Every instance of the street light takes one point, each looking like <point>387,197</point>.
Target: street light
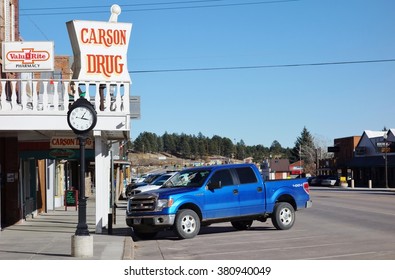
<point>385,136</point>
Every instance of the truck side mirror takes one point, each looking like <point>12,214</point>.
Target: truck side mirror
<point>214,185</point>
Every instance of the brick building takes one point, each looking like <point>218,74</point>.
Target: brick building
<point>368,160</point>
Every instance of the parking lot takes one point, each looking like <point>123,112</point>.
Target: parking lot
<point>342,224</point>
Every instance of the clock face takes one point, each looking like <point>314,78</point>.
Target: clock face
<point>81,118</point>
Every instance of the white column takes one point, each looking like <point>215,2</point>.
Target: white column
<point>51,185</point>
<point>102,181</point>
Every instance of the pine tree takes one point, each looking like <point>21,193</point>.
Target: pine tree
<point>304,149</point>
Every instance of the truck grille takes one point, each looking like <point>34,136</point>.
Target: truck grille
<point>142,203</point>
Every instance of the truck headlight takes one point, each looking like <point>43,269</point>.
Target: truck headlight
<point>163,203</point>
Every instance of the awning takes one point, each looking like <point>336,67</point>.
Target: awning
<point>376,161</point>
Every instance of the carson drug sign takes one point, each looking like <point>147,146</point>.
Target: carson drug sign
<point>100,50</point>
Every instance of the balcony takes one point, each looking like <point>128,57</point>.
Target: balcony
<point>39,107</point>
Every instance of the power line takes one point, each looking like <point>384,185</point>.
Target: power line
<point>123,5</point>
<point>158,9</point>
<point>38,28</point>
<point>262,66</point>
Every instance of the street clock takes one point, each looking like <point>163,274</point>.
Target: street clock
<point>82,116</point>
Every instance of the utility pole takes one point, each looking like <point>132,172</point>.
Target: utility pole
<point>385,136</point>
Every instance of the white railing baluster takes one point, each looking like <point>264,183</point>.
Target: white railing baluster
<point>56,97</point>
<point>4,103</point>
<point>35,96</point>
<point>66,96</point>
<point>23,95</point>
<point>14,96</point>
<point>97,97</point>
<point>107,104</point>
<point>118,98</point>
<point>45,96</point>
<point>76,93</point>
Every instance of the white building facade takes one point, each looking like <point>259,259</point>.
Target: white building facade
<point>39,155</point>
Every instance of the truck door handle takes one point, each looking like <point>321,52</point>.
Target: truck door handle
<point>235,191</point>
<point>259,189</point>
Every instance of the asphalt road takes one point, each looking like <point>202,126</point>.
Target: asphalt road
<point>342,224</point>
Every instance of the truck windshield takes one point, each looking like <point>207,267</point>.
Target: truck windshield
<point>191,178</point>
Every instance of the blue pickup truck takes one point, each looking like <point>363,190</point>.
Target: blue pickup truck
<point>201,196</point>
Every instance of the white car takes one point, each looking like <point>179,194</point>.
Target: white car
<point>156,185</point>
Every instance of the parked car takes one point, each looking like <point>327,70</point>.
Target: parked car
<point>148,179</point>
<point>310,180</point>
<point>158,183</point>
<point>317,181</point>
<point>330,181</point>
<point>141,178</point>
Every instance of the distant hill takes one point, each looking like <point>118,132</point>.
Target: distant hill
<point>146,162</point>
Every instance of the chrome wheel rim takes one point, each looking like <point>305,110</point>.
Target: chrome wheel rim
<point>188,224</point>
<point>286,216</point>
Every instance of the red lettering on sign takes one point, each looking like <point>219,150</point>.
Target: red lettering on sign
<point>106,37</point>
<point>28,56</point>
<point>104,64</point>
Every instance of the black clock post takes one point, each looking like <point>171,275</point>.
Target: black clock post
<point>82,118</point>
<point>82,226</point>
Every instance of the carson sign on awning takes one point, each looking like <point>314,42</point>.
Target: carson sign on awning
<point>59,142</point>
<point>100,50</point>
<point>28,56</point>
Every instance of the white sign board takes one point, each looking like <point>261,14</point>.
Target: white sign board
<point>100,50</point>
<point>28,56</point>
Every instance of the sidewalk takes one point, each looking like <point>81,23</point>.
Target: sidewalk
<point>48,237</point>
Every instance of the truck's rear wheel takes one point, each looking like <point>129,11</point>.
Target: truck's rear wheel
<point>242,225</point>
<point>187,224</point>
<point>283,216</point>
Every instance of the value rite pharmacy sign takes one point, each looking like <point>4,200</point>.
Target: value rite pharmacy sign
<point>100,50</point>
<point>28,56</point>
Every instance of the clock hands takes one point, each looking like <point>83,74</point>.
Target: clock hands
<point>82,117</point>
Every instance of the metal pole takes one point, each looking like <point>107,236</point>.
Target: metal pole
<point>386,165</point>
<point>82,227</point>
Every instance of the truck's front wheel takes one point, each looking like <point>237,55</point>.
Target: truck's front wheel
<point>283,216</point>
<point>187,224</point>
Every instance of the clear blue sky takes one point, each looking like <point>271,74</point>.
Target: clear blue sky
<point>284,39</point>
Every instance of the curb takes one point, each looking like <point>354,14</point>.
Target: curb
<point>128,249</point>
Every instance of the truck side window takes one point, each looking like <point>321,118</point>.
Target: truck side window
<point>246,175</point>
<point>224,176</point>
